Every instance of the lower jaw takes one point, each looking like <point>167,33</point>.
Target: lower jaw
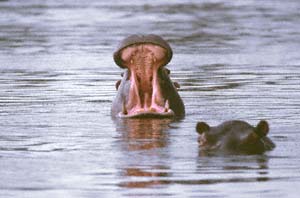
<point>148,114</point>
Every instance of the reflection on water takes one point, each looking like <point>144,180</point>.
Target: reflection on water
<point>151,178</point>
<point>233,60</point>
<point>142,134</point>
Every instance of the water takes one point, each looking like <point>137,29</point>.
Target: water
<point>233,60</point>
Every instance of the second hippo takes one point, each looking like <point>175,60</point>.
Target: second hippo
<point>146,89</point>
<point>235,137</point>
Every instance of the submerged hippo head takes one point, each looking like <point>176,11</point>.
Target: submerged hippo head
<point>235,137</point>
<point>146,89</point>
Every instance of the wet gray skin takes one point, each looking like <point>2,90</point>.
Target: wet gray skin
<point>235,137</point>
<point>146,89</point>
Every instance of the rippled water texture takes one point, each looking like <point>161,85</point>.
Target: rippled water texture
<point>233,60</point>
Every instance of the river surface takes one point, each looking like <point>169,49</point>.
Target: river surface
<point>233,60</point>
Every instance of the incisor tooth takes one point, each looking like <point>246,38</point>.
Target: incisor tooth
<point>131,61</point>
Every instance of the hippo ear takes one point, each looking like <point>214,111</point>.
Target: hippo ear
<point>202,127</point>
<point>262,128</point>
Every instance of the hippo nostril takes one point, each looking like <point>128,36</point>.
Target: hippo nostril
<point>151,78</point>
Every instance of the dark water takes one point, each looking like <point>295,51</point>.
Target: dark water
<point>233,60</point>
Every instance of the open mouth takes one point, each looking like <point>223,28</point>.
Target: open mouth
<point>145,99</point>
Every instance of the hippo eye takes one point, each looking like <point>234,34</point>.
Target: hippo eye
<point>167,71</point>
<point>177,85</point>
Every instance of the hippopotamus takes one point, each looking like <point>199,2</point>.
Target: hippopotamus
<point>235,137</point>
<point>146,89</point>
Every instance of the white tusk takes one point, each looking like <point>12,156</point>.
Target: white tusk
<point>167,106</point>
<point>124,110</point>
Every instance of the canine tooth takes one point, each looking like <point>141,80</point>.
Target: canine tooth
<point>131,61</point>
<point>167,105</point>
<point>124,110</point>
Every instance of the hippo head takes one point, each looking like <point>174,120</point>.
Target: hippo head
<point>146,89</point>
<point>235,137</point>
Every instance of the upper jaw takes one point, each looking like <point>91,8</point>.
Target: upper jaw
<point>142,39</point>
